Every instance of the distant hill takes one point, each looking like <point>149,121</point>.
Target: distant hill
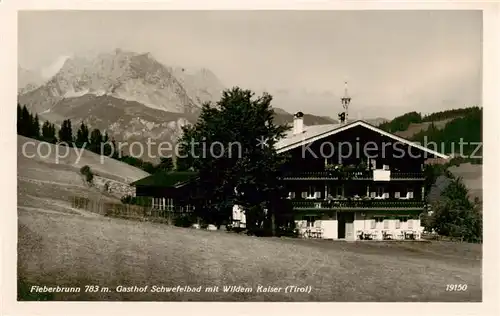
<point>446,128</point>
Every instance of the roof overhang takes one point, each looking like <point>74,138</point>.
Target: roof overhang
<point>335,130</point>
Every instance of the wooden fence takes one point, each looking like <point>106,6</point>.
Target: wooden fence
<point>127,211</point>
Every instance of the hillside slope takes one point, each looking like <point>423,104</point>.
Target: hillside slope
<point>110,252</point>
<point>43,182</point>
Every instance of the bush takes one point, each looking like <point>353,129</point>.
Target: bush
<point>184,221</point>
<point>136,200</point>
<point>87,172</point>
<point>455,215</point>
<point>287,232</point>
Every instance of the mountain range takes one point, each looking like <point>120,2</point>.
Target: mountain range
<point>130,95</point>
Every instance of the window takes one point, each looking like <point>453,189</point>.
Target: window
<point>169,206</point>
<point>386,224</point>
<point>338,191</point>
<point>158,203</point>
<point>311,191</point>
<point>410,224</point>
<point>373,224</point>
<point>398,224</point>
<point>291,195</point>
<point>380,191</point>
<point>310,220</point>
<point>304,195</point>
<point>397,195</point>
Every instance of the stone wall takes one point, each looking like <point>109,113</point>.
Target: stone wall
<point>115,188</point>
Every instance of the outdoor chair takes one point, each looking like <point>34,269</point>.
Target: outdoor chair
<point>303,230</point>
<point>318,230</point>
<point>387,235</point>
<point>399,234</point>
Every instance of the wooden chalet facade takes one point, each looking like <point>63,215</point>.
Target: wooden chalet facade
<point>354,181</point>
<point>345,181</point>
<point>172,191</point>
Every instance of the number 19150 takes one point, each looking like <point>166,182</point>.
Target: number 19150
<point>456,287</point>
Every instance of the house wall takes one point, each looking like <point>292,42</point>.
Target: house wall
<point>363,221</point>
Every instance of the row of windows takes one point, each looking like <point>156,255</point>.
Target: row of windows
<point>164,204</point>
<point>373,222</point>
<point>398,221</point>
<point>318,194</point>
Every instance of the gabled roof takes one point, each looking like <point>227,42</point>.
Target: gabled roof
<point>316,132</point>
<point>172,179</point>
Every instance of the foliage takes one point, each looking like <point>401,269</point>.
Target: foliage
<point>82,136</point>
<point>95,141</point>
<point>184,220</point>
<point>442,115</point>
<point>27,124</point>
<point>238,122</point>
<point>49,133</point>
<point>87,172</point>
<point>466,129</point>
<point>454,215</point>
<point>401,123</point>
<point>136,200</point>
<point>166,164</point>
<point>66,132</point>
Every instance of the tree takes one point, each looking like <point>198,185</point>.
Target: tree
<point>82,136</point>
<point>166,164</point>
<point>49,132</point>
<point>24,123</point>
<point>19,119</point>
<point>35,127</point>
<point>66,132</point>
<point>455,215</point>
<point>232,148</point>
<point>96,139</point>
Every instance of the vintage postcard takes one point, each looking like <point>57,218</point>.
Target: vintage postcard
<point>250,156</point>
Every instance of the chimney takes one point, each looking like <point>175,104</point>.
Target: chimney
<point>298,123</point>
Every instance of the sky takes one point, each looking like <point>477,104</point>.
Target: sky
<point>393,61</point>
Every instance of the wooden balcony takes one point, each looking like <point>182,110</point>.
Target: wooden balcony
<point>362,204</point>
<point>356,175</point>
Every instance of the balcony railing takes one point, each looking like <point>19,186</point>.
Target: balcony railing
<point>355,175</point>
<point>327,175</point>
<point>357,204</point>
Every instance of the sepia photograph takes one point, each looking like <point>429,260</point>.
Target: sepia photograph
<point>250,156</point>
